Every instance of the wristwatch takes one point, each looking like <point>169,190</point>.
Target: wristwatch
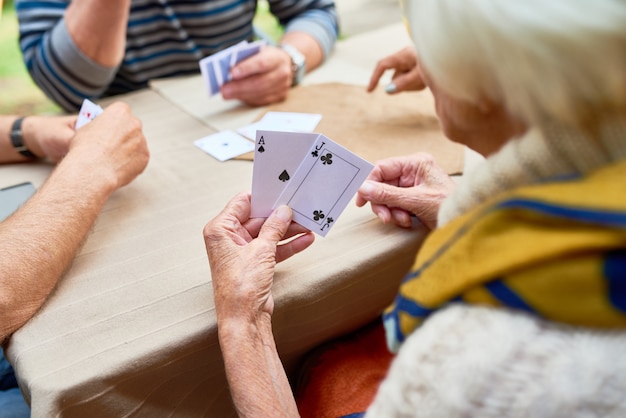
<point>18,141</point>
<point>298,63</point>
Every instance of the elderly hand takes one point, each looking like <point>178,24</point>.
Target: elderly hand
<point>406,76</point>
<point>262,79</point>
<point>399,187</point>
<point>112,146</point>
<point>243,254</point>
<point>49,136</point>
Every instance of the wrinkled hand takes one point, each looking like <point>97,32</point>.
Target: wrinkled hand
<point>262,79</point>
<point>49,136</point>
<point>401,186</point>
<point>243,254</point>
<point>112,145</point>
<point>406,76</point>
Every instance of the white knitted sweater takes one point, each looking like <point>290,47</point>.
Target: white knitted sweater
<point>470,361</point>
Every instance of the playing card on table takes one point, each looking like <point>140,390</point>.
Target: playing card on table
<point>282,121</point>
<point>277,156</point>
<point>88,111</point>
<point>323,185</point>
<point>224,145</point>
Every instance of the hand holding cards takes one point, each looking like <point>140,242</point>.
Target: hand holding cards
<point>309,172</point>
<point>215,68</point>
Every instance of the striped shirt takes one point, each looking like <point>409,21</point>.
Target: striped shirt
<point>164,39</point>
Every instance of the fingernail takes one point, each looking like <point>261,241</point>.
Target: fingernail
<point>283,213</point>
<point>391,88</point>
<point>367,188</point>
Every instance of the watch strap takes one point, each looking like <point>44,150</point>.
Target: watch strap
<point>18,140</point>
<point>298,63</point>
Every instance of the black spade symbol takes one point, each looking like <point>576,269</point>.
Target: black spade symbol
<point>284,176</point>
<point>261,149</point>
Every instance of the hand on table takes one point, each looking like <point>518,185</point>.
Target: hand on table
<point>112,145</point>
<point>406,76</point>
<point>243,254</point>
<point>399,187</point>
<point>262,79</point>
<point>48,136</point>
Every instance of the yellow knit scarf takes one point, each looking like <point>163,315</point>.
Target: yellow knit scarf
<point>556,249</point>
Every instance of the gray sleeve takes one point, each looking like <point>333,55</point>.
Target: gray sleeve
<point>56,64</point>
<point>318,18</point>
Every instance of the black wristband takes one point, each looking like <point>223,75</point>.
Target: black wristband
<point>18,141</point>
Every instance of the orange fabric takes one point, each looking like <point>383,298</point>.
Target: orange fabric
<point>343,376</point>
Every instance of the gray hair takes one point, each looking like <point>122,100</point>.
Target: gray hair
<point>559,60</point>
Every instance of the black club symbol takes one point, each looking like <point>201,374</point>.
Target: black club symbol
<point>315,153</point>
<point>328,159</point>
<point>317,215</point>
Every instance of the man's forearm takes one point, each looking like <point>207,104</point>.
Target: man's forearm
<point>39,241</point>
<point>257,379</point>
<point>98,27</point>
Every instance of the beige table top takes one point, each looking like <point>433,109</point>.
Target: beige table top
<point>131,330</point>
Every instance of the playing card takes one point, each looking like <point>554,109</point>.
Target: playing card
<point>88,111</point>
<point>208,75</point>
<point>224,145</point>
<point>277,156</point>
<point>246,50</point>
<point>282,121</point>
<point>323,185</point>
<point>221,64</point>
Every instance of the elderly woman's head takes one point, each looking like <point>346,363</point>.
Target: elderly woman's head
<point>497,67</point>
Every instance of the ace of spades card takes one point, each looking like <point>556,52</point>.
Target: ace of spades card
<point>325,180</point>
<point>277,156</point>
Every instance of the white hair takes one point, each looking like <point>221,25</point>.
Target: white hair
<point>559,60</point>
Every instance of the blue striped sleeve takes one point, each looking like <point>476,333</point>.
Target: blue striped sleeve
<point>54,61</point>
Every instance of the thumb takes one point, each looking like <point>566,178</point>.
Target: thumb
<point>275,227</point>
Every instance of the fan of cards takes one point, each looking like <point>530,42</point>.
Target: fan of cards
<point>308,172</point>
<point>215,68</point>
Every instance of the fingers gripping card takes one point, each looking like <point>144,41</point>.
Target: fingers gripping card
<point>323,185</point>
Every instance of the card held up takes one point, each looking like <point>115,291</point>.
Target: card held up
<point>323,185</point>
<point>88,112</point>
<point>277,156</point>
<point>215,69</point>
